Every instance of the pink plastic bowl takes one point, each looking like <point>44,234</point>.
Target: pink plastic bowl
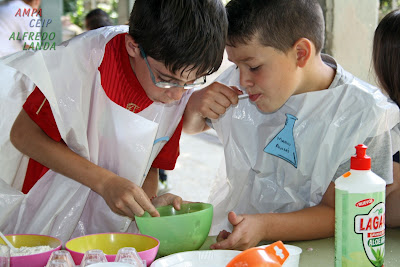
<point>110,243</point>
<point>28,240</point>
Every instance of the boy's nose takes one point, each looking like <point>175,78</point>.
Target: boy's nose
<point>245,80</point>
<point>176,93</point>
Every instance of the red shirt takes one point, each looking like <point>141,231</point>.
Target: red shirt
<point>122,87</point>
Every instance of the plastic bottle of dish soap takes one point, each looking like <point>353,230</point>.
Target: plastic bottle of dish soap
<point>359,214</point>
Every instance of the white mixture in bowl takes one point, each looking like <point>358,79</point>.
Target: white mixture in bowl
<point>24,251</point>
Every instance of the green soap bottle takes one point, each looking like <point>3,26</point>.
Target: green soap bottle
<point>359,214</point>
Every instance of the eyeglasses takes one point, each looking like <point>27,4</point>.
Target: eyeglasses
<point>163,84</point>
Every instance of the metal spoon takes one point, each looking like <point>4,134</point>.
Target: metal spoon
<point>14,249</point>
<point>243,96</point>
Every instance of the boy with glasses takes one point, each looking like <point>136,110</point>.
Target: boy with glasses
<point>107,113</point>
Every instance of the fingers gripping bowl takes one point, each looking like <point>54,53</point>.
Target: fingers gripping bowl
<point>178,231</point>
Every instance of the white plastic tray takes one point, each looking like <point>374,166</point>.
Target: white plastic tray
<point>198,258</point>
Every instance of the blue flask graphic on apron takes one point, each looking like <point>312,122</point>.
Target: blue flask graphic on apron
<point>283,145</point>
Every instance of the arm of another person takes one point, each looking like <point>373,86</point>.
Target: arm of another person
<point>392,212</point>
<point>150,184</point>
<point>209,102</point>
<point>121,195</point>
<point>310,223</point>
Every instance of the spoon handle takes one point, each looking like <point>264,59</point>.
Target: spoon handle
<point>243,96</point>
<point>7,242</point>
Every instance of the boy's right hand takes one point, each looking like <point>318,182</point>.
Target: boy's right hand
<point>121,195</point>
<point>209,102</point>
<point>126,198</point>
<point>213,100</point>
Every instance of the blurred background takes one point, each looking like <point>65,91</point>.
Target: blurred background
<point>350,25</point>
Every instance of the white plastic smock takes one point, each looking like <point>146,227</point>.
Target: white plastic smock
<point>94,127</point>
<point>11,103</point>
<point>284,161</point>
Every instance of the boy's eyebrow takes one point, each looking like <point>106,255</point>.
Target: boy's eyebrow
<point>166,75</point>
<point>243,59</point>
<point>169,76</point>
<point>172,77</point>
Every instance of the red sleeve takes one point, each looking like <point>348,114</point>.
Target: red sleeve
<point>168,155</point>
<point>38,109</point>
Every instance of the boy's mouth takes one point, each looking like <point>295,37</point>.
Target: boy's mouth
<point>254,97</point>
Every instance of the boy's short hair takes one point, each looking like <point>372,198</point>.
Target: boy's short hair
<point>181,33</point>
<point>276,23</point>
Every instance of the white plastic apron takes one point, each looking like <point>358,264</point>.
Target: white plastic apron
<point>284,161</point>
<point>94,127</point>
<point>11,103</point>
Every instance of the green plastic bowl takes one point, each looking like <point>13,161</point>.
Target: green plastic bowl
<point>178,230</point>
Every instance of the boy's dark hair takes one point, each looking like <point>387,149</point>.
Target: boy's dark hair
<point>386,54</point>
<point>97,18</point>
<point>276,23</point>
<point>187,34</point>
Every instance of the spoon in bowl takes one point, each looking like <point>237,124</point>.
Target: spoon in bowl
<point>14,249</point>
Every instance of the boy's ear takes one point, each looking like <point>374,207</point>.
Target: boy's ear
<point>131,46</point>
<point>304,50</point>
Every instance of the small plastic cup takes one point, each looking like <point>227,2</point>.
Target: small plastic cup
<point>4,256</point>
<point>57,263</point>
<point>129,255</point>
<point>90,262</point>
<point>93,256</point>
<point>129,261</point>
<point>112,264</point>
<point>133,262</point>
<point>294,256</point>
<point>62,255</point>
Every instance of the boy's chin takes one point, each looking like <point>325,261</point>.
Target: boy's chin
<point>158,100</point>
<point>266,108</point>
<point>164,101</point>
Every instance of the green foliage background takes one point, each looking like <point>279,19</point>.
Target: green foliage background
<point>75,9</point>
<point>385,6</point>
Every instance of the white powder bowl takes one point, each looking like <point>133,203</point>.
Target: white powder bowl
<point>37,244</point>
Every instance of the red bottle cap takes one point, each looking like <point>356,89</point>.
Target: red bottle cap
<point>360,161</point>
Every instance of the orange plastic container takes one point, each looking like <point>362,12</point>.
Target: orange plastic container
<point>273,255</point>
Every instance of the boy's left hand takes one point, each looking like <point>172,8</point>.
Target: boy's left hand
<point>246,232</point>
<point>168,199</point>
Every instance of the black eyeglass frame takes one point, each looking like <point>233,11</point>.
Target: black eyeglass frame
<point>167,84</point>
